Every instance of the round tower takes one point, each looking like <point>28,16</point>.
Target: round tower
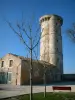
<point>51,40</point>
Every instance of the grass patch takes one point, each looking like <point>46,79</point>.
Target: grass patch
<point>49,96</point>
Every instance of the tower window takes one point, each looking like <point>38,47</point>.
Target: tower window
<point>45,18</point>
<point>2,65</point>
<point>11,63</point>
<point>48,18</point>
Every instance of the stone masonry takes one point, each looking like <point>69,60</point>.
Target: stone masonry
<point>15,69</point>
<point>19,72</point>
<point>51,40</point>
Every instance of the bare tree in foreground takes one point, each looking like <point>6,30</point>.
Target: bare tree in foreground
<point>45,69</point>
<point>30,41</point>
<point>71,32</point>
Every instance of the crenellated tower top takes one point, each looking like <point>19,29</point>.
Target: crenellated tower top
<point>48,17</point>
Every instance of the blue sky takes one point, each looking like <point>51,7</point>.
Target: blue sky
<point>12,11</point>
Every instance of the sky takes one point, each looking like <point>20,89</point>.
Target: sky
<point>12,10</point>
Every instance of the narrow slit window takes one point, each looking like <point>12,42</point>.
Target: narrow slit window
<point>2,65</point>
<point>11,63</point>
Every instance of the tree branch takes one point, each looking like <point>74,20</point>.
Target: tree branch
<point>36,35</point>
<point>23,29</point>
<point>19,34</point>
<point>26,33</point>
<point>36,44</point>
<point>71,32</point>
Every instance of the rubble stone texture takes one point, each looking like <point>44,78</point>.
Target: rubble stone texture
<point>51,40</point>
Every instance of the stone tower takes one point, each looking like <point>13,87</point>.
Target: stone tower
<point>51,40</point>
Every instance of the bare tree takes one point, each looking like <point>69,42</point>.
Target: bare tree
<point>45,69</point>
<point>25,32</point>
<point>71,32</point>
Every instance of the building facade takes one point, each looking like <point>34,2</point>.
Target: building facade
<point>15,70</point>
<point>51,40</point>
<point>10,69</point>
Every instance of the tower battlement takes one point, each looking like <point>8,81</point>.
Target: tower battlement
<point>47,17</point>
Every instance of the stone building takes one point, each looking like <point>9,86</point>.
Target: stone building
<point>51,41</point>
<point>15,70</point>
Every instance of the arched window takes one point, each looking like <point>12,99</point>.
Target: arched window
<point>2,65</point>
<point>11,63</point>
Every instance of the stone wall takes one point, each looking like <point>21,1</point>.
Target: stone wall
<point>20,71</point>
<point>15,69</point>
<point>37,73</point>
<point>51,41</point>
<point>39,67</point>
